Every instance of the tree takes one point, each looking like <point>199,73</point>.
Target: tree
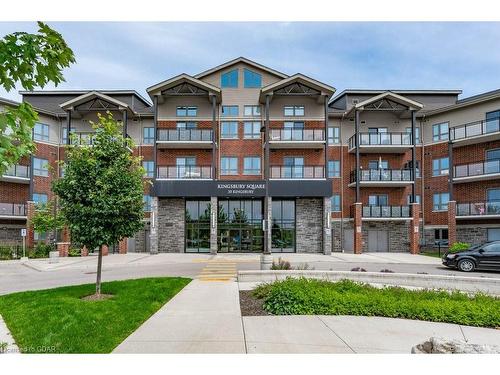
<point>31,60</point>
<point>47,218</point>
<point>101,192</point>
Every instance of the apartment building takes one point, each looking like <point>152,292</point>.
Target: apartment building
<point>244,158</point>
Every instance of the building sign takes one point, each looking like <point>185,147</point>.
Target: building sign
<point>251,189</point>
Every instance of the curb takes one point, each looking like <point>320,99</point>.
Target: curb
<point>461,283</point>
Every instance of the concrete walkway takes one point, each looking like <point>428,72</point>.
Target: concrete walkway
<point>205,317</point>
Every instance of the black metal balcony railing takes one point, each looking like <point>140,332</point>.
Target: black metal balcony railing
<point>22,171</point>
<point>185,172</point>
<point>389,175</point>
<point>386,211</point>
<point>12,209</point>
<point>474,129</point>
<point>297,172</point>
<point>382,139</point>
<point>181,135</point>
<point>478,208</point>
<point>477,169</point>
<point>297,135</point>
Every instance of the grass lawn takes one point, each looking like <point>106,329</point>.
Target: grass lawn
<point>433,253</point>
<point>58,321</point>
<point>317,297</point>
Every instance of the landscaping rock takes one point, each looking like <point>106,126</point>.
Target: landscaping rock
<point>438,345</point>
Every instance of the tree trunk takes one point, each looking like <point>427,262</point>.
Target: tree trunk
<point>99,267</point>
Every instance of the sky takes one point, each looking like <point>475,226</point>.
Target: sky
<point>118,55</point>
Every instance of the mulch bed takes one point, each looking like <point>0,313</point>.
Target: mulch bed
<point>251,306</point>
<point>97,297</point>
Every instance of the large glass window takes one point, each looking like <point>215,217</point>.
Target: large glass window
<point>148,135</point>
<point>40,167</point>
<point>283,226</point>
<point>229,130</point>
<point>197,226</point>
<point>378,200</point>
<point>378,164</point>
<point>229,79</point>
<point>492,121</point>
<point>230,111</point>
<point>40,198</point>
<point>184,111</point>
<point>228,165</point>
<point>186,125</point>
<point>41,132</point>
<point>251,165</point>
<point>333,135</point>
<point>335,203</point>
<point>440,201</point>
<point>293,167</point>
<point>417,133</point>
<point>293,110</point>
<point>252,79</point>
<point>239,227</point>
<point>252,110</point>
<point>440,167</point>
<point>440,132</point>
<point>147,202</point>
<point>149,167</point>
<point>417,198</point>
<point>333,168</point>
<point>251,129</point>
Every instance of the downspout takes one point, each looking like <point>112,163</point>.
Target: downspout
<point>341,185</point>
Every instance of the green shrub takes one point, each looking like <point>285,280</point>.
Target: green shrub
<point>318,297</point>
<point>458,246</point>
<point>41,250</point>
<point>74,252</point>
<point>6,252</point>
<point>281,265</point>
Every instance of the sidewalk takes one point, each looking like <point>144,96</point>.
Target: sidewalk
<point>205,317</point>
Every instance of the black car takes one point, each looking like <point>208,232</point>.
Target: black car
<point>485,256</point>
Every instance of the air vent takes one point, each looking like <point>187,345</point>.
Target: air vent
<point>355,101</point>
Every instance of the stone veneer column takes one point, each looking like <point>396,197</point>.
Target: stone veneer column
<point>358,228</point>
<point>327,226</point>
<point>452,222</point>
<point>414,228</point>
<point>153,231</point>
<point>122,246</point>
<point>309,225</point>
<point>30,232</point>
<point>213,224</point>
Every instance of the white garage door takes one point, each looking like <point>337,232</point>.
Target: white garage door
<point>494,234</point>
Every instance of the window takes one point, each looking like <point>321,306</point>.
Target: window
<point>492,248</point>
<point>148,135</point>
<point>252,79</point>
<point>293,167</point>
<point>147,203</point>
<point>283,226</point>
<point>492,121</point>
<point>149,167</point>
<point>41,132</point>
<point>417,133</point>
<point>440,132</point>
<point>251,165</point>
<point>230,110</point>
<point>441,236</point>
<point>229,165</point>
<point>229,130</point>
<point>333,135</point>
<point>417,199</point>
<point>252,130</point>
<point>377,130</point>
<point>64,135</point>
<point>40,167</point>
<point>440,201</point>
<point>229,79</point>
<point>440,167</point>
<point>293,110</point>
<point>378,200</point>
<point>296,125</point>
<point>335,202</point>
<point>187,125</point>
<point>378,164</point>
<point>187,111</point>
<point>333,168</point>
<point>197,226</point>
<point>252,110</point>
<point>40,198</point>
<point>40,236</point>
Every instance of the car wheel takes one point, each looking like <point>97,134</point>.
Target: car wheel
<point>466,265</point>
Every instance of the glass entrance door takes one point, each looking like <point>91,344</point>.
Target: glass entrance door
<point>283,226</point>
<point>185,166</point>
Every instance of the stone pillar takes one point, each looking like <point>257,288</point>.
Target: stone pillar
<point>65,236</point>
<point>358,227</point>
<point>327,226</point>
<point>85,251</point>
<point>213,224</point>
<point>414,228</point>
<point>452,222</point>
<point>153,232</point>
<point>105,250</point>
<point>63,248</point>
<point>30,231</point>
<point>122,246</point>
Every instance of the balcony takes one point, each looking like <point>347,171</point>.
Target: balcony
<point>184,138</point>
<point>381,142</point>
<point>475,132</point>
<point>300,172</point>
<point>296,138</point>
<point>18,174</point>
<point>478,210</point>
<point>386,213</point>
<point>15,211</point>
<point>382,178</point>
<point>188,172</point>
<point>485,170</point>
